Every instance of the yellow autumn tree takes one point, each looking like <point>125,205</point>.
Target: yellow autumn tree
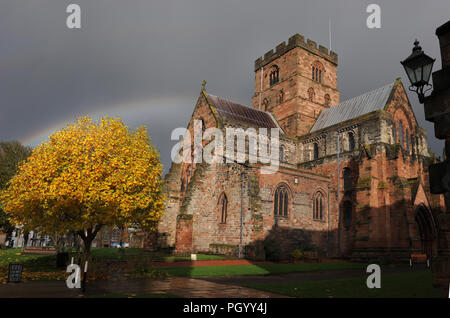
<point>86,176</point>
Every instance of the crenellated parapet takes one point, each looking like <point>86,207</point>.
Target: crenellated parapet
<point>296,41</point>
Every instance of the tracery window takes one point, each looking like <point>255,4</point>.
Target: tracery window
<point>281,201</point>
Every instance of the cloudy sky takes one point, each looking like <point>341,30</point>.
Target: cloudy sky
<point>145,60</point>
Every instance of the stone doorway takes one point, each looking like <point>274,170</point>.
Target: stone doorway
<point>426,231</point>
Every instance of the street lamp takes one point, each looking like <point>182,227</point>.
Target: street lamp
<point>418,67</point>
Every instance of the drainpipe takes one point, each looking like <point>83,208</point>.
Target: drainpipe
<point>242,214</point>
<point>338,197</point>
<point>328,218</point>
<point>261,88</point>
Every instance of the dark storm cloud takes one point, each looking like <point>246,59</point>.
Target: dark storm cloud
<point>139,51</point>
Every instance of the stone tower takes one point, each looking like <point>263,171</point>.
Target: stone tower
<point>295,83</point>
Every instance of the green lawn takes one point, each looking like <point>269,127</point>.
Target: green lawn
<point>263,269</point>
<point>403,285</point>
<point>133,253</point>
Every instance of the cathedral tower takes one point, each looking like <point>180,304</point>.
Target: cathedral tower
<point>295,83</point>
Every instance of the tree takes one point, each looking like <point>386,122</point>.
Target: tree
<point>86,176</point>
<point>12,153</point>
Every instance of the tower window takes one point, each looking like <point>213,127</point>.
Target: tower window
<point>280,97</point>
<point>223,207</point>
<point>274,75</point>
<point>311,94</point>
<point>281,201</point>
<point>266,104</point>
<point>317,70</point>
<point>327,100</point>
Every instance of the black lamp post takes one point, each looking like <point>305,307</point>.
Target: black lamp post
<point>418,67</point>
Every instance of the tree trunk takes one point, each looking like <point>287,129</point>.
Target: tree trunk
<point>88,236</point>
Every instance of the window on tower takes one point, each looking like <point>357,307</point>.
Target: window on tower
<point>311,94</point>
<point>281,97</point>
<point>317,70</point>
<point>327,100</point>
<point>274,75</point>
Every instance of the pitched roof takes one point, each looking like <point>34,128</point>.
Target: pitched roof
<point>249,115</point>
<point>355,107</point>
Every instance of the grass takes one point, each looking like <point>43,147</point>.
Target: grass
<point>133,253</point>
<point>263,269</point>
<point>402,285</point>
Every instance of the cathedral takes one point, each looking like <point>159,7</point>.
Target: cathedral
<point>352,179</point>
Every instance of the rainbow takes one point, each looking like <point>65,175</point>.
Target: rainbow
<point>133,114</point>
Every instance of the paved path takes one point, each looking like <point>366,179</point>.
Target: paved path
<point>204,287</point>
<point>180,286</point>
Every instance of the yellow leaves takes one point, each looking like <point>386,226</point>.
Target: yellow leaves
<point>88,166</point>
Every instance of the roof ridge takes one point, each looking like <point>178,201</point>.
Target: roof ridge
<point>250,107</point>
<point>367,92</point>
<point>354,107</point>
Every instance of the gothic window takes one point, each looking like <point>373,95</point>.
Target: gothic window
<point>348,207</point>
<point>327,100</point>
<point>318,206</point>
<point>317,70</point>
<point>280,97</point>
<point>316,151</point>
<point>282,154</point>
<point>394,133</point>
<point>266,104</point>
<point>311,94</point>
<point>281,201</point>
<point>223,207</point>
<point>274,75</point>
<point>400,132</point>
<point>351,141</point>
<point>347,179</point>
<point>407,140</point>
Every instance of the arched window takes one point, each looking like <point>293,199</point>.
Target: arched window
<point>348,207</point>
<point>282,154</point>
<point>223,208</point>
<point>316,151</point>
<point>351,141</point>
<point>311,94</point>
<point>394,133</point>
<point>274,75</point>
<point>327,100</point>
<point>407,139</point>
<point>317,70</point>
<point>400,132</point>
<point>281,201</point>
<point>347,179</point>
<point>318,206</point>
<point>280,97</point>
<point>266,104</point>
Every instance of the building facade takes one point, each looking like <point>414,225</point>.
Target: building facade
<point>352,179</point>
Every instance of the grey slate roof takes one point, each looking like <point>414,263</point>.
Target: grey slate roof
<point>355,107</point>
<point>249,115</point>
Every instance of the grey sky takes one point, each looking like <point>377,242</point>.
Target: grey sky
<point>145,60</point>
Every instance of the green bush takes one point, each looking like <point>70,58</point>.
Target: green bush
<point>272,250</point>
